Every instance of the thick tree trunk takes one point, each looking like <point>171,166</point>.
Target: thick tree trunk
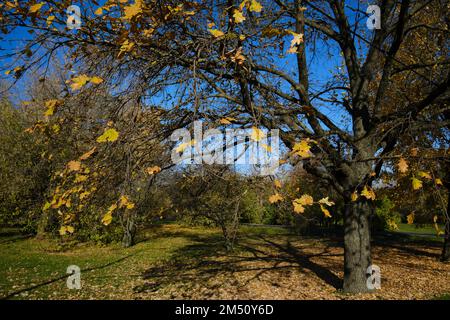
<point>356,246</point>
<point>445,256</point>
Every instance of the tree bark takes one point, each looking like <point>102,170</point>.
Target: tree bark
<point>129,233</point>
<point>356,246</point>
<point>445,256</point>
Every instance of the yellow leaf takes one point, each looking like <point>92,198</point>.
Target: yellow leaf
<point>275,198</point>
<point>402,165</point>
<point>325,211</point>
<point>392,225</point>
<point>354,196</point>
<point>126,46</point>
<point>326,201</point>
<point>238,16</point>
<point>216,33</point>
<point>96,80</point>
<point>99,11</point>
<point>125,202</point>
<point>410,218</point>
<point>295,42</point>
<point>133,11</point>
<point>183,146</point>
<point>46,206</point>
<point>368,193</point>
<point>298,208</point>
<point>416,183</point>
<point>51,107</point>
<point>107,218</point>
<point>79,81</point>
<point>257,134</point>
<point>74,165</point>
<point>50,20</point>
<point>255,6</point>
<point>266,147</point>
<point>277,183</point>
<point>438,182</point>
<point>36,7</point>
<point>80,178</point>
<point>88,154</point>
<point>153,170</point>
<point>425,175</point>
<point>302,148</point>
<point>62,230</point>
<point>110,135</point>
<point>305,200</point>
<point>226,120</point>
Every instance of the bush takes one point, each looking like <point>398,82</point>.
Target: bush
<point>385,217</point>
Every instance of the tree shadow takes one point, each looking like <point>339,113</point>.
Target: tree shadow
<point>205,260</point>
<point>62,277</point>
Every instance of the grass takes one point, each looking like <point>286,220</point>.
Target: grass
<point>422,229</point>
<point>175,262</point>
<point>27,263</point>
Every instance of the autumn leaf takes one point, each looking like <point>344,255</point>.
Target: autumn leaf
<point>402,165</point>
<point>354,196</point>
<point>410,218</point>
<point>88,154</point>
<point>368,193</point>
<point>326,201</point>
<point>107,218</point>
<point>295,42</point>
<point>184,145</point>
<point>66,229</point>
<point>49,20</point>
<point>325,211</point>
<point>80,178</point>
<point>96,80</point>
<point>99,11</point>
<point>302,148</point>
<point>153,170</point>
<point>438,182</point>
<point>255,6</point>
<point>36,7</point>
<point>216,33</point>
<point>133,11</point>
<point>226,120</point>
<point>51,107</point>
<point>238,16</point>
<point>298,208</point>
<point>424,174</point>
<point>305,200</point>
<point>125,202</point>
<point>416,183</point>
<point>79,81</point>
<point>126,46</point>
<point>110,135</point>
<point>277,184</point>
<point>275,198</point>
<point>74,165</point>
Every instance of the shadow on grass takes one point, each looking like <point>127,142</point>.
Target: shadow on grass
<point>50,281</point>
<point>206,259</point>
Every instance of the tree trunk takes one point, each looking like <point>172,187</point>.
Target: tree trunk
<point>445,256</point>
<point>42,225</point>
<point>356,246</point>
<point>129,233</point>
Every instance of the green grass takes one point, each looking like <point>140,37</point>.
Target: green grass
<point>109,271</point>
<point>411,228</point>
<point>443,297</point>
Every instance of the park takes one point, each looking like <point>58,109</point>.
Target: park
<point>224,150</point>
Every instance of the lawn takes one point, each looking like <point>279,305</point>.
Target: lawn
<point>177,262</point>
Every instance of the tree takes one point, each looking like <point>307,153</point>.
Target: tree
<point>229,59</point>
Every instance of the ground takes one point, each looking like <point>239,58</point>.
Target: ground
<point>176,262</point>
